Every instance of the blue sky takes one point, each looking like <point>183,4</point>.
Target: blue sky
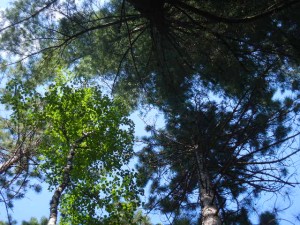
<point>37,205</point>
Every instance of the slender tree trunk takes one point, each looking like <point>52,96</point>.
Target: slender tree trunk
<point>209,210</point>
<point>60,189</point>
<point>65,182</point>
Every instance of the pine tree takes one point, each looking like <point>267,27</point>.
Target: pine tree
<point>214,153</point>
<point>171,54</point>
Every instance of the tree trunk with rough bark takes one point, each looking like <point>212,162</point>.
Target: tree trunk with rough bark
<point>209,210</point>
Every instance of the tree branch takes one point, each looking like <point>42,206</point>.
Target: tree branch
<point>210,16</point>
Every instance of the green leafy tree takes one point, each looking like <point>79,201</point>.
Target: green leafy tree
<point>139,219</point>
<point>34,221</point>
<point>5,223</point>
<point>85,143</point>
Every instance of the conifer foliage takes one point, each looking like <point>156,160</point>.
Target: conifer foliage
<point>224,73</point>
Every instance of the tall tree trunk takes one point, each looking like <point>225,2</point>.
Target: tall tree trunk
<point>60,189</point>
<point>66,179</point>
<point>209,210</point>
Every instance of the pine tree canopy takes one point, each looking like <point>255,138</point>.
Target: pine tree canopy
<point>225,75</point>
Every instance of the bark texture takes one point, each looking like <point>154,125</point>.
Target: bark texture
<point>209,210</point>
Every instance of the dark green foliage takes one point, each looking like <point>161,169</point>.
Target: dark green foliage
<point>34,221</point>
<point>268,218</point>
<point>237,139</point>
<point>240,217</point>
<point>213,68</point>
<point>160,52</point>
<point>182,221</point>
